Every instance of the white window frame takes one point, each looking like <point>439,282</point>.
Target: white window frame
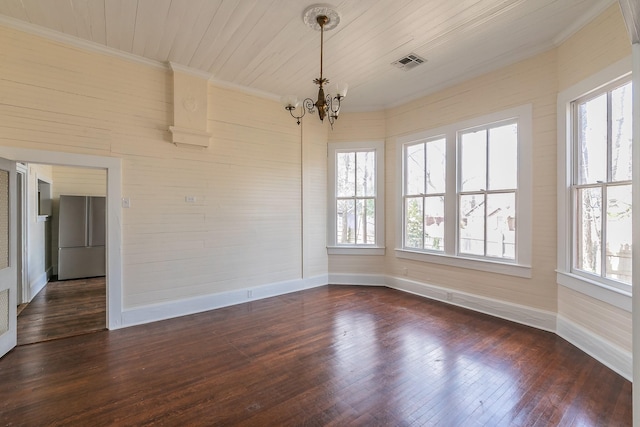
<point>617,294</point>
<point>521,265</point>
<point>333,248</point>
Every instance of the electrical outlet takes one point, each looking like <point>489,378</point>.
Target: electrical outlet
<point>249,294</point>
<point>449,296</point>
<point>126,203</point>
<point>190,199</point>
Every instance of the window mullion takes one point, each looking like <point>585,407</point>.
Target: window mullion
<point>603,232</point>
<point>486,188</point>
<point>424,193</point>
<point>603,191</point>
<point>609,138</point>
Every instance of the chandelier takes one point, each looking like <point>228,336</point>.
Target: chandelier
<point>319,17</point>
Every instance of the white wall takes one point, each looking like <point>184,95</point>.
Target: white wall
<point>38,231</point>
<point>245,229</point>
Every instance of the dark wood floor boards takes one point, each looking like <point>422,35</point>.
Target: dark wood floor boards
<point>333,355</point>
<point>64,309</point>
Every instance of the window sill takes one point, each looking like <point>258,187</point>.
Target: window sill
<point>491,266</point>
<point>355,250</point>
<point>600,291</point>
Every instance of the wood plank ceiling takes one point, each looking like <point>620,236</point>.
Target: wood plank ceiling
<point>264,45</point>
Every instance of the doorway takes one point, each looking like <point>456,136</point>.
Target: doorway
<point>113,301</point>
<point>66,214</point>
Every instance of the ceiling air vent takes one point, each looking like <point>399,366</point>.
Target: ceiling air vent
<point>408,62</point>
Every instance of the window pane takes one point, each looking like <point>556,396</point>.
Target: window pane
<point>621,133</point>
<point>435,170</point>
<point>473,171</point>
<point>592,140</point>
<point>415,169</point>
<point>503,157</point>
<point>366,222</point>
<point>366,173</point>
<point>413,228</point>
<point>619,242</point>
<point>472,224</point>
<point>501,225</point>
<point>589,230</point>
<point>434,223</point>
<point>345,174</point>
<point>346,222</point>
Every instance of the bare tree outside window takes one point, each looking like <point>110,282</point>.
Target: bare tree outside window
<point>424,189</point>
<point>602,184</point>
<point>355,201</point>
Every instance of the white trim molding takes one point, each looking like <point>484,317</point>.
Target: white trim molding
<point>357,279</point>
<point>614,296</point>
<point>565,277</point>
<point>333,148</point>
<point>509,269</point>
<point>171,309</point>
<point>601,349</point>
<point>521,265</point>
<point>529,316</point>
<point>114,212</point>
<point>38,284</point>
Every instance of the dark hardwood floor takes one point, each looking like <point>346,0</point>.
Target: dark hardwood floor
<point>64,309</point>
<point>335,355</point>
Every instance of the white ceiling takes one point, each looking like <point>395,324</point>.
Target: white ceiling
<point>265,46</point>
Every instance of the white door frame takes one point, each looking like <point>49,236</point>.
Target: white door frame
<point>8,275</point>
<point>114,213</point>
<point>23,236</point>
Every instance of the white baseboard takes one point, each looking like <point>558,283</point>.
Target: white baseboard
<point>540,319</point>
<point>358,279</point>
<point>604,351</point>
<point>171,309</point>
<point>38,284</point>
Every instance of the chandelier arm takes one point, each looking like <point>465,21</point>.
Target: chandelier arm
<point>333,101</point>
<point>291,108</point>
<point>309,104</point>
<point>332,119</point>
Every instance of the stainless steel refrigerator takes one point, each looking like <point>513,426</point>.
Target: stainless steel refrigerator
<point>81,237</point>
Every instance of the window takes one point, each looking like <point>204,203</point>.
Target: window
<point>601,184</point>
<point>487,191</point>
<point>463,187</point>
<point>356,203</point>
<point>424,195</point>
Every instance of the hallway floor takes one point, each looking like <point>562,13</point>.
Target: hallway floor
<point>64,309</point>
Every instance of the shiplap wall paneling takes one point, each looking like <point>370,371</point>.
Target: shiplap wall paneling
<point>242,227</point>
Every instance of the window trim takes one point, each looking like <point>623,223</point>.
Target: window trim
<point>521,265</point>
<point>357,249</point>
<point>599,289</point>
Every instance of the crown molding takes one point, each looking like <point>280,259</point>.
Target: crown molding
<point>190,71</point>
<point>631,13</point>
<point>37,30</point>
<point>582,21</point>
<point>244,89</point>
<point>48,34</point>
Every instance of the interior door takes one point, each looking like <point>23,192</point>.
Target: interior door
<point>8,258</point>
